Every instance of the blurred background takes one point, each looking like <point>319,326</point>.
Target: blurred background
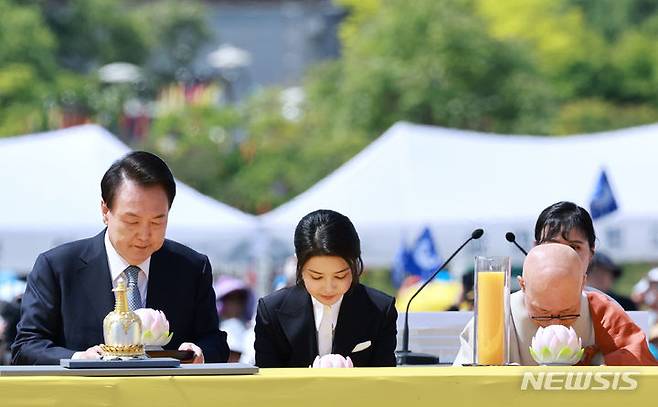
<point>270,109</point>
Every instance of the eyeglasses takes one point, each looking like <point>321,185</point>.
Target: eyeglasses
<point>569,317</point>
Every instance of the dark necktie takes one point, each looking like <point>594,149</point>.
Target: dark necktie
<point>134,297</point>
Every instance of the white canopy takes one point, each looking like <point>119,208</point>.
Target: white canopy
<point>454,181</point>
<point>50,185</point>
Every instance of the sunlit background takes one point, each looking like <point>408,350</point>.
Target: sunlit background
<point>420,120</point>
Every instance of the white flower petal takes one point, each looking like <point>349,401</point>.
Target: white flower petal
<point>561,332</point>
<point>156,324</point>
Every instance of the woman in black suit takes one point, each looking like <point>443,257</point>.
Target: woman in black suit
<point>328,310</point>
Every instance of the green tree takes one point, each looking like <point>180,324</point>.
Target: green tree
<point>27,67</point>
<point>594,115</point>
<point>601,56</point>
<point>274,166</point>
<point>569,54</point>
<point>359,12</point>
<point>433,63</point>
<point>248,157</point>
<point>197,142</point>
<point>176,35</point>
<point>614,17</point>
<point>51,50</point>
<point>92,33</point>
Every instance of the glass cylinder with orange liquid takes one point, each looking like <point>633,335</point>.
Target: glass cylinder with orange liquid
<point>492,282</point>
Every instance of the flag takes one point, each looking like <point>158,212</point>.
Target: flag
<point>422,259</point>
<point>603,200</point>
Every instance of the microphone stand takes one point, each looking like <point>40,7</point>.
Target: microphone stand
<point>405,356</point>
<point>512,239</point>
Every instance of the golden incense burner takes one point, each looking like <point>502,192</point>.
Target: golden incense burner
<point>122,329</point>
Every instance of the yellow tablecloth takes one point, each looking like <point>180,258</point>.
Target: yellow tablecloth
<point>402,387</point>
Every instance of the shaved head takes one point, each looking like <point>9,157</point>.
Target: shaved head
<point>552,281</point>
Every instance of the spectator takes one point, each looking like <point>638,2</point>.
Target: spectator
<point>602,274</point>
<point>235,307</point>
<point>10,313</point>
<point>645,294</point>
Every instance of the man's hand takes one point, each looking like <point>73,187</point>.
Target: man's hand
<point>94,352</point>
<point>198,353</point>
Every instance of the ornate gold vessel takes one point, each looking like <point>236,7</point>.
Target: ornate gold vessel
<point>122,328</point>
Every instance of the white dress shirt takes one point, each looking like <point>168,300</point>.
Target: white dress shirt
<point>118,264</point>
<point>324,347</point>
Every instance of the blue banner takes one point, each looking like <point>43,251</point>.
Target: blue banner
<point>421,260</point>
<point>603,200</point>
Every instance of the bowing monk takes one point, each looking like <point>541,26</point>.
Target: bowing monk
<point>552,293</point>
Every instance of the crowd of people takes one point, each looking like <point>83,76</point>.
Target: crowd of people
<point>325,310</point>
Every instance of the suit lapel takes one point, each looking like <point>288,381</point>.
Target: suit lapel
<point>160,291</point>
<point>297,322</point>
<point>95,281</point>
<point>352,322</point>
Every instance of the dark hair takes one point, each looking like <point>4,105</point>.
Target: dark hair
<point>327,233</point>
<point>602,262</point>
<point>144,168</point>
<point>561,218</point>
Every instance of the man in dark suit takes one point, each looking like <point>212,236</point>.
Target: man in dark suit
<point>69,293</point>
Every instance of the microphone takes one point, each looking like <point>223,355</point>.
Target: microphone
<point>405,356</point>
<point>512,239</point>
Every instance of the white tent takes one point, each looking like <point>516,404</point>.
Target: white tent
<point>454,181</point>
<point>50,185</point>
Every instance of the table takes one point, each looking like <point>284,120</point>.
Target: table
<point>400,387</point>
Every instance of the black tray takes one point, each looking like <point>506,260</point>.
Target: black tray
<point>130,363</point>
<point>182,355</point>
